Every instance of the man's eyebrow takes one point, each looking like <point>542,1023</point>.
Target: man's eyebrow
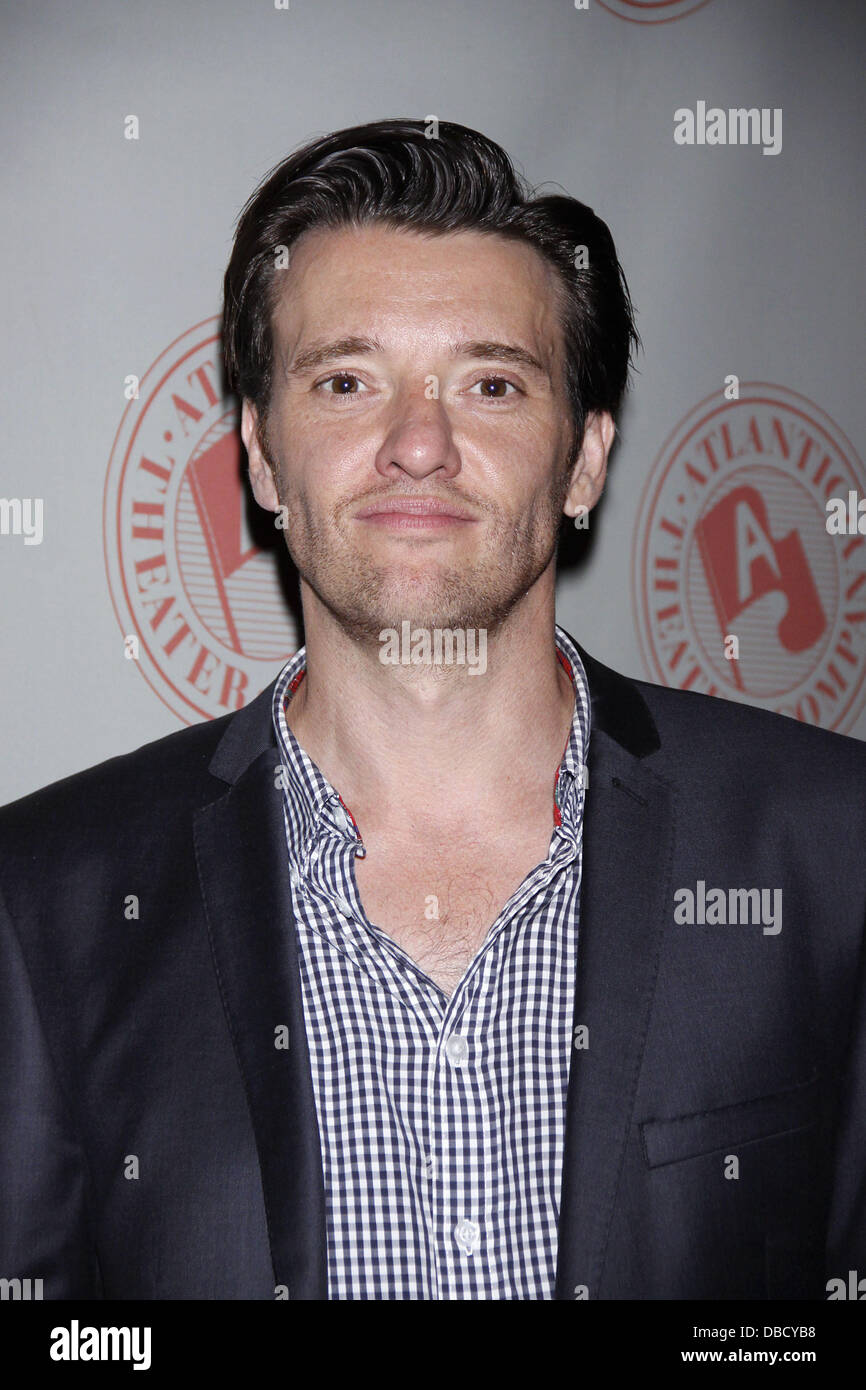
<point>318,354</point>
<point>501,352</point>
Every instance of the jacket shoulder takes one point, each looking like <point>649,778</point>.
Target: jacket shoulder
<point>687,731</point>
<point>730,724</point>
<point>131,793</point>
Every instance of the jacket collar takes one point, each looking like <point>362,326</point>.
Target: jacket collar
<point>245,886</point>
<point>618,708</point>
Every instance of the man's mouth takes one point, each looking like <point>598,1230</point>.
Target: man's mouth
<point>414,513</point>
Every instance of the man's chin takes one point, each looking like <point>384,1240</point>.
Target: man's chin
<point>420,600</point>
<point>368,623</point>
<point>367,600</point>
<point>371,625</point>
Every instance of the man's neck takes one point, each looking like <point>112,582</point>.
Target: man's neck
<point>411,744</point>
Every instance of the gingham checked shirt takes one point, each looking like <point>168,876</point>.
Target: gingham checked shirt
<point>441,1119</point>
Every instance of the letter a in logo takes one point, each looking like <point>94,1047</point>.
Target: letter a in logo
<point>743,562</point>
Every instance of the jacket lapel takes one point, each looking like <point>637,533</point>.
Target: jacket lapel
<point>628,837</point>
<point>243,873</point>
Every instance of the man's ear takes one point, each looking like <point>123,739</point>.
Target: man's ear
<point>590,468</point>
<point>261,474</point>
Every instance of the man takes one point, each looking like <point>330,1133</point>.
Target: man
<point>462,969</point>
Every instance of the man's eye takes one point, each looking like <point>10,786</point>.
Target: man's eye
<point>494,388</point>
<point>342,384</point>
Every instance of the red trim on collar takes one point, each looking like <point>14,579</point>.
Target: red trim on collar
<point>567,664</point>
<point>557,814</point>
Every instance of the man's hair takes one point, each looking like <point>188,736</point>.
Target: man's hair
<point>390,172</point>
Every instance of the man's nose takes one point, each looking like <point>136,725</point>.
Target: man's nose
<point>419,438</point>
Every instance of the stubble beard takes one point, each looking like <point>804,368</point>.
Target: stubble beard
<point>366,596</point>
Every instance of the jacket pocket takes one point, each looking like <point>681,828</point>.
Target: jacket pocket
<point>688,1136</point>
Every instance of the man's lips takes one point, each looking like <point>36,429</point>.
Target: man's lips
<point>414,512</point>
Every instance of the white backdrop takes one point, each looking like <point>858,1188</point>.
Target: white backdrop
<point>741,264</point>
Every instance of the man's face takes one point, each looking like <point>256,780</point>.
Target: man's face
<point>452,392</point>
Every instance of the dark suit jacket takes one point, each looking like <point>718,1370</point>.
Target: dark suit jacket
<point>152,1039</point>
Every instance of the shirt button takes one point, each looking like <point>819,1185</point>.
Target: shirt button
<point>341,818</point>
<point>344,906</point>
<point>468,1236</point>
<point>457,1049</point>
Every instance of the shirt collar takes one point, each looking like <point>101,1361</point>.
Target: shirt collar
<point>315,809</point>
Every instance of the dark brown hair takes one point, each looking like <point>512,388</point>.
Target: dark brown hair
<point>451,179</point>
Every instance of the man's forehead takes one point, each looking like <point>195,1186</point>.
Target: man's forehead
<point>358,282</point>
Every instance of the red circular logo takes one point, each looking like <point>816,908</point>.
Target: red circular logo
<point>740,590</point>
<point>652,11</point>
<point>196,571</point>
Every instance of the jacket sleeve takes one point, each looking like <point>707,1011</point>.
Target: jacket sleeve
<point>44,1231</point>
<point>846,1243</point>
